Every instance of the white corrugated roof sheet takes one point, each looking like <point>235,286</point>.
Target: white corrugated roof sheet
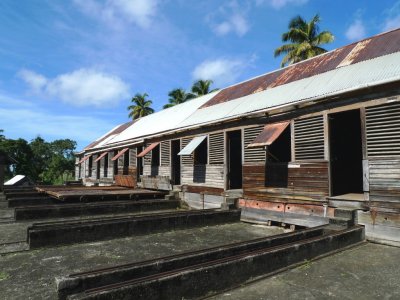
<point>164,120</point>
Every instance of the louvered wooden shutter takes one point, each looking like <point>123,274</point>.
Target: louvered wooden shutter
<point>132,157</point>
<point>165,153</point>
<point>216,151</point>
<point>383,130</point>
<point>253,154</point>
<point>186,159</point>
<point>309,138</point>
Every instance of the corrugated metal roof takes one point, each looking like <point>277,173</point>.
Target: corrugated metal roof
<point>370,62</point>
<point>370,48</point>
<point>193,144</point>
<point>378,70</point>
<point>164,120</point>
<point>109,135</point>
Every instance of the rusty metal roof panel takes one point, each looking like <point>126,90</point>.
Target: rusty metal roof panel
<point>355,76</point>
<point>370,48</point>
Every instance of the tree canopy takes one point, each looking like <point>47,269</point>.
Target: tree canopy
<point>46,162</point>
<point>202,87</point>
<point>178,96</point>
<point>304,40</point>
<point>140,107</point>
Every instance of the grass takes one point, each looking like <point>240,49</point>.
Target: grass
<point>4,276</point>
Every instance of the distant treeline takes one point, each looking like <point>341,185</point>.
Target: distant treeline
<point>43,162</point>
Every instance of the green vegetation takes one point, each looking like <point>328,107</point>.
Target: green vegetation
<point>46,162</point>
<point>199,88</point>
<point>305,40</point>
<point>4,276</point>
<point>140,107</point>
<point>202,87</point>
<point>178,96</point>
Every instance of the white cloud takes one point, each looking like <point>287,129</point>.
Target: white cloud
<point>237,24</point>
<point>140,12</point>
<point>36,81</point>
<point>356,31</point>
<point>277,4</point>
<point>221,71</point>
<point>80,88</point>
<point>229,18</point>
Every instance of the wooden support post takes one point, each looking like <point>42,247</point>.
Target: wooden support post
<point>2,167</point>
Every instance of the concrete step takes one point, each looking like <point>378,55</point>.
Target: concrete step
<point>341,221</point>
<point>90,209</point>
<point>350,214</point>
<point>70,232</point>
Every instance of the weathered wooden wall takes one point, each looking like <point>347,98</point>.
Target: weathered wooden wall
<point>206,175</point>
<point>307,181</point>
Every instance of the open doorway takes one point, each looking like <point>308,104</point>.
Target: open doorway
<point>234,159</point>
<point>139,164</point>
<point>98,169</point>
<point>345,148</point>
<point>175,162</point>
<point>277,159</point>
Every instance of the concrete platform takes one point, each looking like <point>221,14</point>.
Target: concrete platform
<point>31,275</point>
<point>369,271</point>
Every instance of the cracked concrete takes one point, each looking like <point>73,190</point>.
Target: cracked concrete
<point>30,275</point>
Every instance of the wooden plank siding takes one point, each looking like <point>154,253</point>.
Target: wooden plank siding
<point>206,175</point>
<point>382,125</point>
<point>308,181</point>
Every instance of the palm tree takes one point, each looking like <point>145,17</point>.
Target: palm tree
<point>202,87</point>
<point>140,106</point>
<point>178,96</point>
<point>305,40</point>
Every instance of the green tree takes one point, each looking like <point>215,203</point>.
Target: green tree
<point>178,96</point>
<point>140,107</point>
<point>202,87</point>
<point>21,152</point>
<point>305,40</point>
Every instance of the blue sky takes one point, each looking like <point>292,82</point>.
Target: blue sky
<point>69,68</point>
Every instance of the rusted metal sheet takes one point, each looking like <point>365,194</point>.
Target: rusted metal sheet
<point>84,159</point>
<point>100,157</point>
<point>269,134</point>
<point>367,49</point>
<point>119,154</point>
<point>148,149</point>
<point>125,180</point>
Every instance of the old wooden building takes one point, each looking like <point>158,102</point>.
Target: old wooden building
<point>291,145</point>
